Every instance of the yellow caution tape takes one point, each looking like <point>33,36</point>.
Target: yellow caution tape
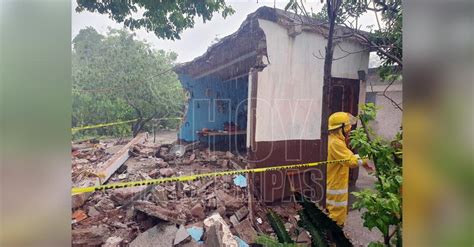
<point>185,178</point>
<point>111,124</point>
<point>102,125</point>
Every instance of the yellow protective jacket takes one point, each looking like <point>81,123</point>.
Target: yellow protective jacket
<point>337,181</point>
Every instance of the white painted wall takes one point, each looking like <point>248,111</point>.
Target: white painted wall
<point>290,88</point>
<point>389,117</point>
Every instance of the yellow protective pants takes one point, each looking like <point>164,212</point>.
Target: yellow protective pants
<point>337,181</point>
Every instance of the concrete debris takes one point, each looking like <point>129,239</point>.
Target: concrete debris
<point>166,172</point>
<point>118,225</point>
<point>212,203</point>
<point>157,236</point>
<point>205,186</point>
<point>129,216</point>
<point>211,196</point>
<point>230,202</point>
<point>236,165</point>
<point>122,195</point>
<point>213,236</point>
<point>160,194</point>
<point>241,213</point>
<point>178,150</point>
<point>105,204</point>
<point>229,155</point>
<point>304,239</point>
<point>233,219</point>
<point>154,173</point>
<point>213,159</point>
<point>198,211</point>
<point>79,200</point>
<point>82,161</point>
<point>221,233</point>
<point>246,231</point>
<point>191,244</point>
<point>221,210</point>
<point>113,242</point>
<point>182,236</point>
<point>92,211</point>
<point>223,163</point>
<point>162,164</point>
<point>289,227</point>
<point>95,235</point>
<point>144,151</point>
<point>227,179</point>
<point>144,176</point>
<point>158,212</point>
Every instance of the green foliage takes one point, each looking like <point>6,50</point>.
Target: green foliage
<point>321,221</point>
<point>387,39</point>
<point>317,236</point>
<point>368,112</point>
<point>268,241</point>
<point>278,227</point>
<point>116,77</point>
<point>166,18</point>
<point>376,244</point>
<point>390,38</point>
<point>384,204</point>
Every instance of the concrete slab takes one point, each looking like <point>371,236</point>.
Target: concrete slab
<point>161,235</point>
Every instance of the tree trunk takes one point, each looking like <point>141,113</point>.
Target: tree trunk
<point>386,240</point>
<point>332,14</point>
<point>137,127</point>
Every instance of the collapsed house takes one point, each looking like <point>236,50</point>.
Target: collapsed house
<point>260,90</point>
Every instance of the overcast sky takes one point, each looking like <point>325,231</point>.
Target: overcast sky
<point>195,41</point>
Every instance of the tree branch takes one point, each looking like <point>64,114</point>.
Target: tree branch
<point>386,96</point>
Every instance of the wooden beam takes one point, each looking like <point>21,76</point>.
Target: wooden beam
<point>108,169</point>
<point>241,58</point>
<point>112,164</point>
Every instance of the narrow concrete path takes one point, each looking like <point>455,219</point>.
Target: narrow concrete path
<point>354,228</point>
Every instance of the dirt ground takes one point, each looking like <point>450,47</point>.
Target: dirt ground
<point>165,136</point>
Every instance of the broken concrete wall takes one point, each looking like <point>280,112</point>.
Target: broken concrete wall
<point>212,103</point>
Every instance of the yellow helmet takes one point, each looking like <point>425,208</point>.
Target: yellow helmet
<point>340,119</point>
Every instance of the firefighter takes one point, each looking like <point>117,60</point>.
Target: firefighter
<point>337,182</point>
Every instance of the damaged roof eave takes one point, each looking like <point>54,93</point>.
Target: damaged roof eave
<point>245,47</point>
<point>232,55</point>
<point>224,66</point>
